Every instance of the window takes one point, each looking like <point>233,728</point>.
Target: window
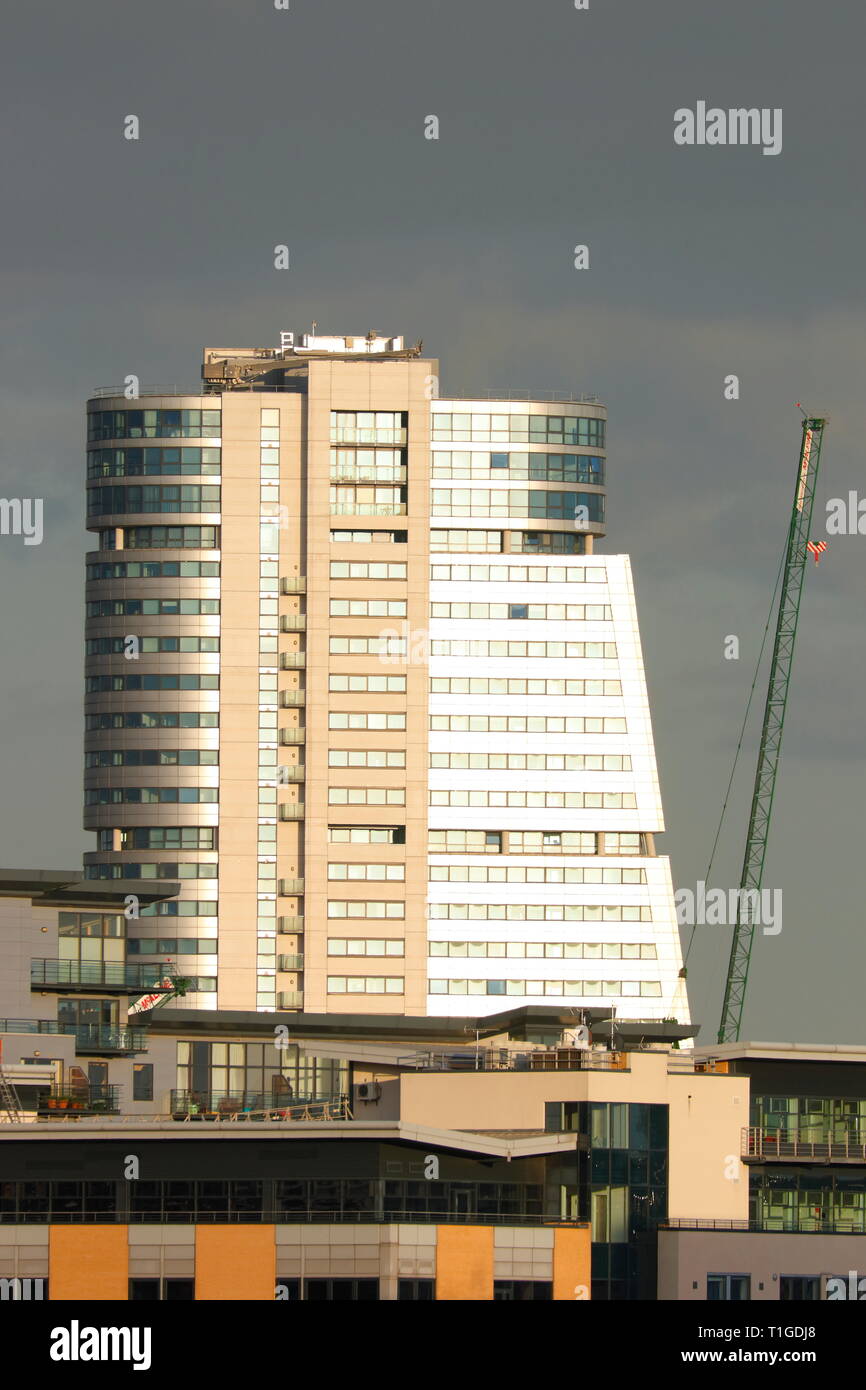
<point>542,912</point>
<point>729,1288</point>
<point>395,873</point>
<point>165,837</point>
<point>367,646</point>
<point>536,762</point>
<point>152,719</point>
<point>142,1081</point>
<point>366,757</point>
<point>155,569</point>
<point>367,834</point>
<point>161,1290</point>
<point>804,1288</point>
<point>361,569</point>
<point>549,950</point>
<point>95,685</point>
<point>478,542</point>
<point>391,685</point>
<point>586,572</point>
<point>106,796</point>
<point>515,685</point>
<point>368,608</point>
<point>534,612</point>
<point>469,646</point>
<point>373,720</point>
<point>153,424</point>
<point>368,537</point>
<point>342,1290</point>
<point>365,984</point>
<point>508,427</point>
<point>367,796</point>
<point>118,500</point>
<point>608,801</point>
<point>135,462</point>
<point>365,946</point>
<point>152,757</point>
<point>521,1290</point>
<point>365,907</point>
<point>171,538</point>
<point>416,1290</point>
<point>368,426</point>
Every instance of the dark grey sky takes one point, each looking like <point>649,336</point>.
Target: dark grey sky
<point>261,127</point>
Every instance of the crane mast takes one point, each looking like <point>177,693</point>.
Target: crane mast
<point>771,733</point>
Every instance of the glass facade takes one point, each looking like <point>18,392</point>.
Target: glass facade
<point>153,424</point>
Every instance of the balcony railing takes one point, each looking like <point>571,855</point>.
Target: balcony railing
<point>89,1037</point>
<point>792,1223</point>
<point>292,810</point>
<point>289,699</point>
<point>290,962</point>
<point>522,394</point>
<point>369,509</point>
<point>292,736</point>
<point>293,622</point>
<point>292,661</point>
<point>63,1101</point>
<point>290,999</point>
<point>255,1105</point>
<point>774,1144</point>
<point>90,975</point>
<point>104,1038</point>
<point>31,1025</point>
<point>503,1059</point>
<point>291,887</point>
<point>293,584</point>
<point>290,926</point>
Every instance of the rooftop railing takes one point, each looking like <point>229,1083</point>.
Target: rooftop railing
<point>774,1144</point>
<point>504,1059</point>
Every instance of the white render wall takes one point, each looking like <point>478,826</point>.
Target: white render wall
<point>655,893</point>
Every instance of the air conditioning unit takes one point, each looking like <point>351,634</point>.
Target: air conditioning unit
<point>369,1091</point>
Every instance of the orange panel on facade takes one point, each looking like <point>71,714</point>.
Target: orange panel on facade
<point>235,1262</point>
<point>464,1262</point>
<point>572,1251</point>
<point>88,1262</point>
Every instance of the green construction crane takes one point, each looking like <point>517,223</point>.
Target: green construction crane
<point>771,734</point>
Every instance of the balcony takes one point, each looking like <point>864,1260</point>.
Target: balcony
<point>793,1222</point>
<point>787,1145</point>
<point>289,926</point>
<point>105,1040</point>
<point>87,976</point>
<point>293,584</point>
<point>290,999</point>
<point>291,887</point>
<point>503,1059</point>
<point>369,477</point>
<point>92,1039</point>
<point>293,622</point>
<point>292,736</point>
<point>256,1105</point>
<point>296,773</point>
<point>73,1102</point>
<point>290,699</point>
<point>290,963</point>
<point>292,810</point>
<point>293,661</point>
<point>369,509</point>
